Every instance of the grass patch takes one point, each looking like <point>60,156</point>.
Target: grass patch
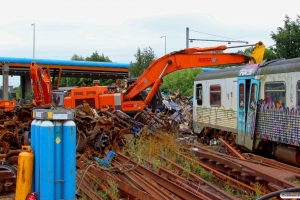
<point>296,181</point>
<point>149,146</point>
<point>103,195</point>
<point>83,197</point>
<point>113,188</point>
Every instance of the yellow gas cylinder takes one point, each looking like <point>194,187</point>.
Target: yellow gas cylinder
<point>24,173</point>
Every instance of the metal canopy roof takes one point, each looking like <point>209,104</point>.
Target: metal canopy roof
<point>68,68</point>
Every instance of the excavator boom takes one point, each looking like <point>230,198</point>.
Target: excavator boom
<point>105,97</point>
<point>185,59</point>
<point>41,85</point>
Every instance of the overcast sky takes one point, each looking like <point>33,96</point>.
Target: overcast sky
<point>118,28</point>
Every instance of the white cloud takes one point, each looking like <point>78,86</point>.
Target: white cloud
<point>7,39</point>
<point>118,28</point>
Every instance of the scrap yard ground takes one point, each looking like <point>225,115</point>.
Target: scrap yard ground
<point>160,158</point>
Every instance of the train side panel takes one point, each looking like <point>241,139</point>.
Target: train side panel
<point>215,104</point>
<point>278,117</point>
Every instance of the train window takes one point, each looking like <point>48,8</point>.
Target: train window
<point>253,101</point>
<point>199,94</point>
<point>215,95</point>
<point>275,94</point>
<point>242,93</point>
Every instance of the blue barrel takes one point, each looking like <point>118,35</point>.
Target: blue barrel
<point>58,159</point>
<point>69,160</point>
<point>36,143</point>
<point>32,144</point>
<point>46,160</point>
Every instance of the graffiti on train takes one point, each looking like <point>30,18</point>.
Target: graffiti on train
<point>278,123</point>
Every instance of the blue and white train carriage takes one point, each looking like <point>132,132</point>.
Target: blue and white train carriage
<point>256,105</point>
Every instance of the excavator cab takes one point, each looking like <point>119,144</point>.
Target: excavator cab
<point>58,97</point>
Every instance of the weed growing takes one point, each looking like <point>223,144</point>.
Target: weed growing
<point>296,181</point>
<point>149,147</point>
<point>113,188</point>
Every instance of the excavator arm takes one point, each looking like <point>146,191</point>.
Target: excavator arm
<point>184,59</point>
<point>41,85</point>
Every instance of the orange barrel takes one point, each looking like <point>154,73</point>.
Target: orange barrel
<point>24,174</point>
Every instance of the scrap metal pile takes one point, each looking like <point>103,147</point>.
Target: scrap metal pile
<point>180,109</point>
<point>98,131</point>
<point>14,132</point>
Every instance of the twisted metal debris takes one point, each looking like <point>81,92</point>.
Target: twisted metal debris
<point>98,131</point>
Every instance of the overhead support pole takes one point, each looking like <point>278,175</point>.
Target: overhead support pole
<point>5,70</point>
<point>58,79</point>
<point>187,37</point>
<point>33,39</point>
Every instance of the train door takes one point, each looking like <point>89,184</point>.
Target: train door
<point>251,113</point>
<point>243,87</point>
<point>247,100</point>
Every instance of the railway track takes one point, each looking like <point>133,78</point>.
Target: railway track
<point>271,163</point>
<point>172,182</point>
<point>247,171</point>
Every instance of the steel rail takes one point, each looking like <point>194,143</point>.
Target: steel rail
<point>181,192</point>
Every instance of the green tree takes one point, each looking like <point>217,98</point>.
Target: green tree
<point>287,39</point>
<point>77,57</point>
<point>182,80</point>
<point>143,60</point>
<point>17,90</point>
<point>71,81</point>
<point>98,58</point>
<point>246,51</point>
<point>269,53</point>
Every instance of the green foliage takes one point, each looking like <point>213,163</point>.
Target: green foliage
<point>77,57</point>
<point>287,39</point>
<point>17,90</point>
<point>99,58</point>
<point>113,188</point>
<point>143,60</point>
<point>28,96</point>
<point>182,80</point>
<point>103,195</point>
<point>70,81</point>
<point>246,51</point>
<point>269,53</point>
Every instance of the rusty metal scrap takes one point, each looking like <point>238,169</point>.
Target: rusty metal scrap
<point>99,131</point>
<point>180,109</point>
<point>109,129</point>
<point>14,132</point>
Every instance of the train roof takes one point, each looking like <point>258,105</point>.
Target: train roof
<point>220,74</point>
<point>266,67</point>
<point>279,66</point>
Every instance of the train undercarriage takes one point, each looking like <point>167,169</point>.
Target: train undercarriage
<point>270,149</point>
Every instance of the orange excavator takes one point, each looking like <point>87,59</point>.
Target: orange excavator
<point>131,100</point>
<point>41,85</point>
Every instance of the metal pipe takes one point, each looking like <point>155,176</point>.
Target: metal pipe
<point>229,41</point>
<point>274,194</point>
